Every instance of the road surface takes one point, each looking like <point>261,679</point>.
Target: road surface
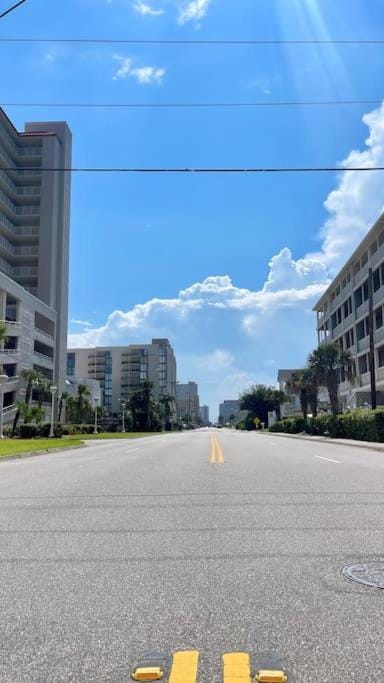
<point>212,541</point>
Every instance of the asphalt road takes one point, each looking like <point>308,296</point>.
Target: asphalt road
<point>167,544</point>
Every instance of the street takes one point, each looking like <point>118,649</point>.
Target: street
<point>213,541</point>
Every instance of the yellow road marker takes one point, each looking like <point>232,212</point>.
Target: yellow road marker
<point>271,676</point>
<point>148,673</point>
<point>184,667</point>
<point>216,452</point>
<point>237,667</point>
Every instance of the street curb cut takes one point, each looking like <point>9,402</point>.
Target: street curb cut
<point>368,445</point>
<point>30,454</point>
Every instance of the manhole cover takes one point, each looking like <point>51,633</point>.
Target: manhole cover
<point>369,573</point>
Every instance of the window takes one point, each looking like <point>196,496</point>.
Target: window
<point>333,321</point>
<point>349,339</point>
<point>348,277</point>
<point>337,290</point>
<point>342,374</point>
<point>364,259</point>
<point>343,283</point>
<point>382,273</point>
<point>358,297</point>
<point>376,280</point>
<point>379,317</point>
<point>365,290</point>
<point>374,247</point>
<point>347,307</point>
<point>338,316</point>
<point>71,361</point>
<point>363,365</point>
<point>380,356</point>
<point>356,268</point>
<point>360,330</point>
<point>381,238</point>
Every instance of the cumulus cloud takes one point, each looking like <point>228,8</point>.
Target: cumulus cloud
<point>274,321</point>
<point>193,11</point>
<point>142,74</point>
<point>147,10</point>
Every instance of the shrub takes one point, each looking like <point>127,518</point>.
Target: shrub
<point>28,431</point>
<point>44,430</point>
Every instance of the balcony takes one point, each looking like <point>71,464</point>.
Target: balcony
<point>25,271</point>
<point>362,310</point>
<point>9,356</point>
<point>43,336</point>
<point>363,345</point>
<point>379,335</point>
<point>43,360</point>
<point>29,151</point>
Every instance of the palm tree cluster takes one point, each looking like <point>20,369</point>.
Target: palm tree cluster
<point>260,400</point>
<point>144,413</point>
<point>323,370</point>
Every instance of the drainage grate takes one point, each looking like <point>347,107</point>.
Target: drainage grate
<point>368,573</point>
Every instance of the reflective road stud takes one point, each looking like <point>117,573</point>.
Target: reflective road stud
<point>148,673</point>
<point>237,667</point>
<point>270,676</point>
<point>184,667</point>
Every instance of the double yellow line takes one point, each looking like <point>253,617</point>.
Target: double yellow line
<point>216,452</point>
<point>236,667</point>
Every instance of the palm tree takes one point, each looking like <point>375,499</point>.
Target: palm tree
<point>166,401</point>
<point>325,362</point>
<point>304,384</point>
<point>63,399</point>
<point>32,378</point>
<point>82,395</point>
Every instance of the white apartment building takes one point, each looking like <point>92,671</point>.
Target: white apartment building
<point>121,370</point>
<point>229,409</point>
<point>34,251</point>
<point>187,401</point>
<point>343,316</point>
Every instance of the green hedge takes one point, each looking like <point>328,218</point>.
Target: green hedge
<point>361,425</point>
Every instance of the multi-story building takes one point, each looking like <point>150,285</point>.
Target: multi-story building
<point>187,401</point>
<point>344,316</point>
<point>204,415</point>
<point>93,386</point>
<point>293,405</point>
<point>34,250</point>
<point>228,410</point>
<point>122,369</point>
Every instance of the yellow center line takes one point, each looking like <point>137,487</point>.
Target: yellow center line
<point>213,450</point>
<point>237,667</point>
<point>220,455</point>
<point>184,667</point>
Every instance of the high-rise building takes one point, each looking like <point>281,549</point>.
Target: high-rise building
<point>187,401</point>
<point>229,409</point>
<point>122,369</point>
<point>344,315</point>
<point>204,415</point>
<point>34,250</point>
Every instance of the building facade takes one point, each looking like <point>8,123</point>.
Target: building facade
<point>204,415</point>
<point>121,370</point>
<point>34,250</point>
<point>187,401</point>
<point>228,410</point>
<point>344,316</point>
<point>293,405</point>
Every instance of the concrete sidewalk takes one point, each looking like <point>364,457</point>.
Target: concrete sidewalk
<point>369,445</point>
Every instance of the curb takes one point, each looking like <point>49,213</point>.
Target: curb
<point>30,454</point>
<point>367,445</point>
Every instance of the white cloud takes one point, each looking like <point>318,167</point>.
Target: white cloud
<point>142,74</point>
<point>193,11</point>
<point>84,323</point>
<point>147,10</point>
<point>274,321</point>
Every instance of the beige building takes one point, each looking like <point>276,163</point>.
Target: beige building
<point>34,251</point>
<point>343,315</point>
<point>121,370</point>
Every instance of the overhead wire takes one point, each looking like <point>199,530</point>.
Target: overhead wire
<point>202,170</point>
<point>192,105</point>
<point>153,41</point>
<point>10,9</point>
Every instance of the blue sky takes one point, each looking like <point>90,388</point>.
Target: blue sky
<point>189,257</point>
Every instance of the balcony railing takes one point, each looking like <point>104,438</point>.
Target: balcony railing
<point>43,359</point>
<point>42,333</point>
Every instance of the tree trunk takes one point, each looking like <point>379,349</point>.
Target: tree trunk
<point>332,386</point>
<point>60,410</point>
<point>28,393</point>
<point>304,403</point>
<point>15,422</point>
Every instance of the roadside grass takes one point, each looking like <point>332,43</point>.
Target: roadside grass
<point>117,435</point>
<point>18,446</point>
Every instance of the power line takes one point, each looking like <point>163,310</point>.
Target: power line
<point>192,105</point>
<point>174,170</point>
<point>134,41</point>
<point>3,14</point>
